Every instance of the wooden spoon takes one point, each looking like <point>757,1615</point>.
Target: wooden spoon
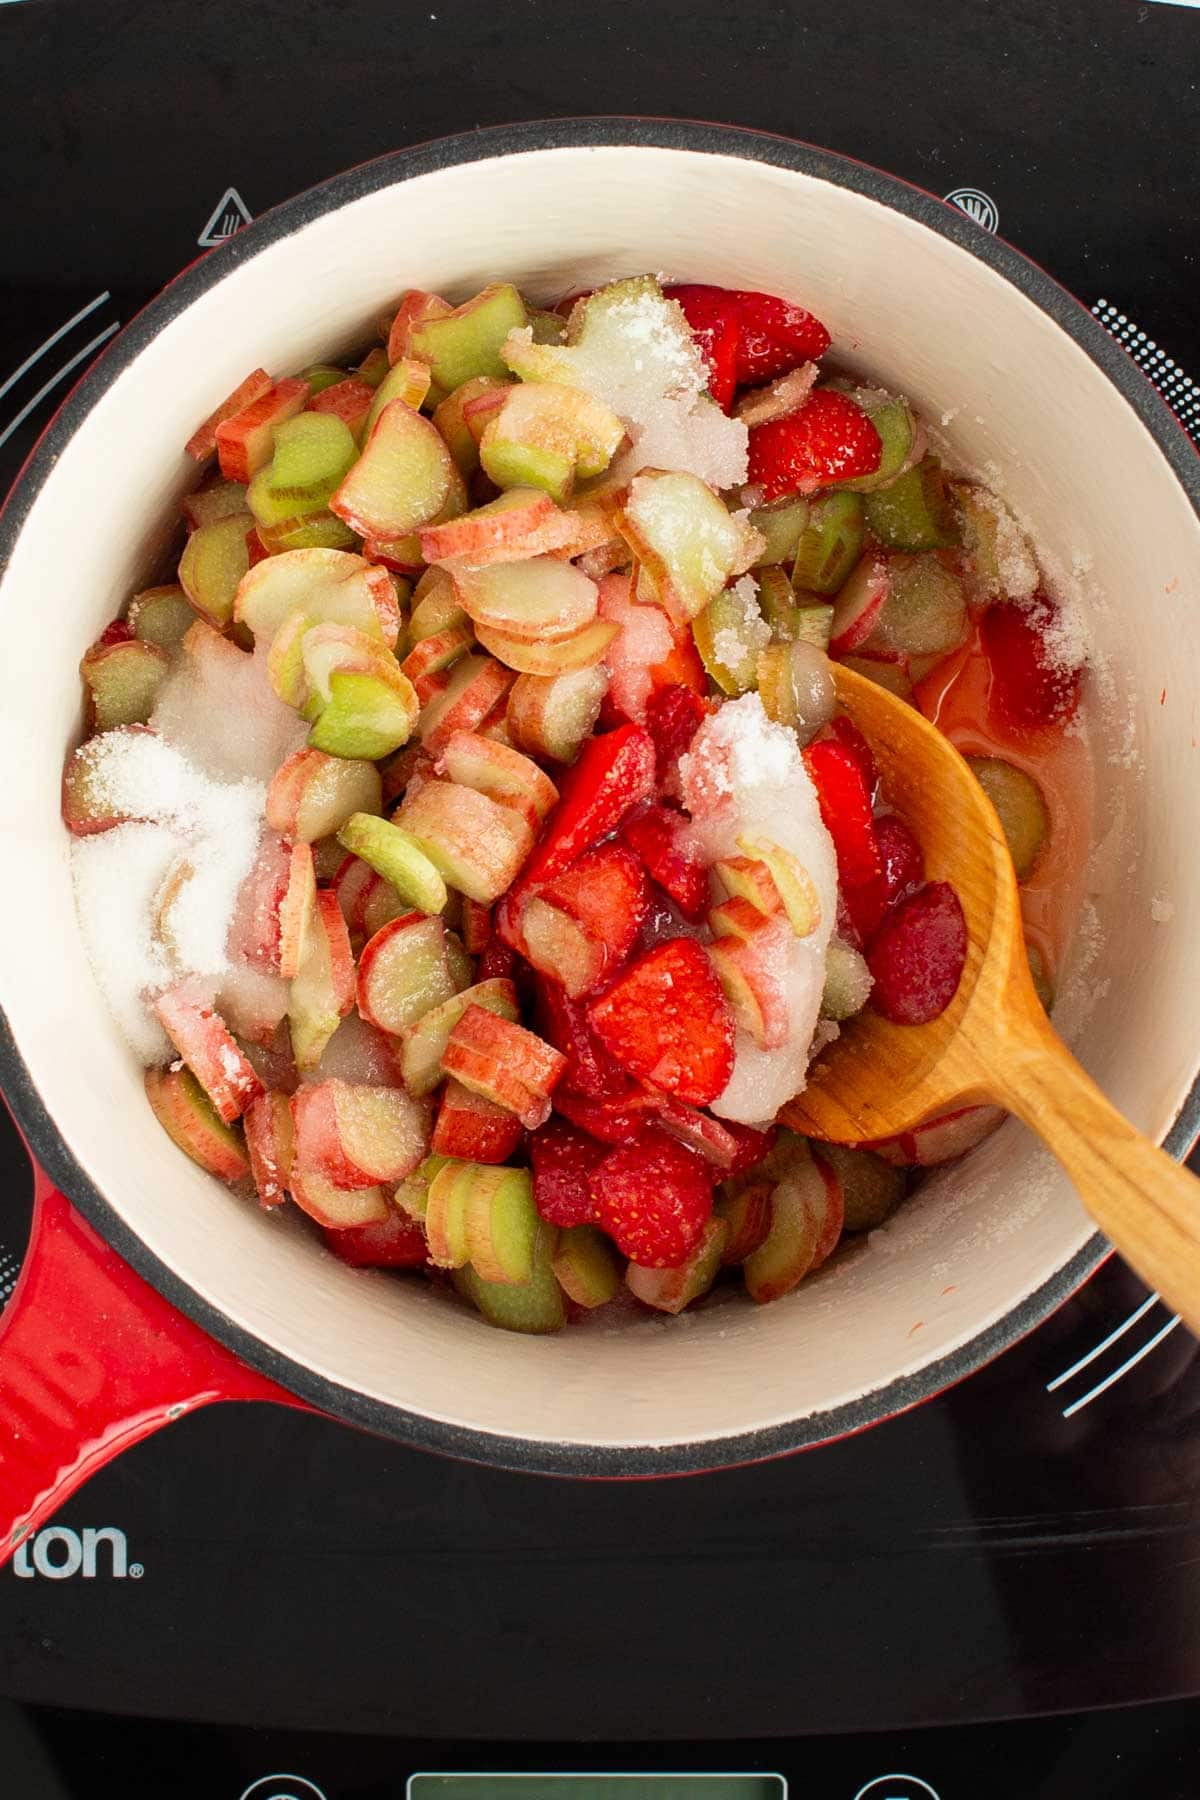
<point>994,1041</point>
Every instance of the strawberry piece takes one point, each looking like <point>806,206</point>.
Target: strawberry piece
<point>590,1070</point>
<point>666,1021</point>
<point>752,1145</point>
<point>582,924</point>
<point>656,837</point>
<point>564,1160</point>
<point>918,955</point>
<point>846,732</point>
<point>209,1049</point>
<point>497,961</point>
<point>903,868</point>
<point>396,1242</point>
<point>830,438</point>
<point>774,336</point>
<point>117,632</point>
<point>683,667</point>
<point>613,1119</point>
<point>712,313</point>
<point>845,803</point>
<point>613,774</point>
<point>472,1129</point>
<point>673,717</point>
<point>654,1198</point>
<point>1029,689</point>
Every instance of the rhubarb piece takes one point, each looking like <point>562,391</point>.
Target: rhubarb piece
<point>322,991</point>
<point>190,1120</point>
<point>795,684</point>
<point>407,380</point>
<point>707,1136</point>
<point>746,1212</point>
<point>799,1211</point>
<point>915,511</point>
<point>465,342</point>
<point>335,1208</point>
<point>504,1063</point>
<point>395,1242</point>
<point>847,982</point>
<point>416,308</point>
<point>670,1290</point>
<point>830,544</point>
<point>244,438</point>
<point>403,973</point>
<point>368,713</point>
<point>313,454</point>
<point>501,772</point>
<point>475,844</point>
<point>543,598</point>
<point>214,561</point>
<point>331,587</point>
<point>270,1145</point>
<point>779,526</point>
<point>356,1135</point>
<point>924,611</point>
<point>998,555</point>
<point>845,802</point>
<point>1033,688</point>
<point>534,1306</point>
<point>473,1129</point>
<point>162,616</point>
<point>312,795</point>
<point>564,1160</point>
<point>476,927</point>
<point>476,685</point>
<point>209,1049</point>
<point>123,680</point>
<point>449,417</point>
<point>859,604</point>
<point>748,878</point>
<point>792,882</point>
<point>545,435</point>
<point>666,1021</point>
<point>520,524</point>
<point>552,716</point>
<point>297,908</point>
<point>653,1198</point>
<point>402,479</point>
<point>778,398</point>
<point>658,837</point>
<point>217,499</point>
<point>940,1139</point>
<point>829,439</point>
<point>425,1042</point>
<point>431,655</point>
<point>584,922</point>
<point>393,853</point>
<point>751,970</point>
<point>559,656</point>
<point>730,633</point>
<point>686,538</point>
<point>412,1194</point>
<point>871,1189</point>
<point>916,958</point>
<point>489,1214</point>
<point>1019,806</point>
<point>203,441</point>
<point>586,1269</point>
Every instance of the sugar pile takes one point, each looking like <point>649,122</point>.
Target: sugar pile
<point>155,894</point>
<point>751,632</point>
<point>218,707</point>
<point>744,777</point>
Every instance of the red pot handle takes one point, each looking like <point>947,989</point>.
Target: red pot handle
<point>92,1360</point>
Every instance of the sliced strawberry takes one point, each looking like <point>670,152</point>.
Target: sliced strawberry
<point>845,803</point>
<point>658,837</point>
<point>918,954</point>
<point>903,868</point>
<point>666,1021</point>
<point>604,897</point>
<point>613,1119</point>
<point>1030,689</point>
<point>654,1197</point>
<point>774,336</point>
<point>712,313</point>
<point>843,728</point>
<point>590,1070</point>
<point>673,717</point>
<point>830,438</point>
<point>397,1242</point>
<point>753,1145</point>
<point>564,1160</point>
<point>497,961</point>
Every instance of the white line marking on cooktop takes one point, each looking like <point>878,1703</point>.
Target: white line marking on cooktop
<point>1179,391</point>
<point>48,386</point>
<point>52,340</point>
<point>1101,1347</point>
<point>1130,1363</point>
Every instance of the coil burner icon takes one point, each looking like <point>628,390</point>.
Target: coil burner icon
<point>976,204</point>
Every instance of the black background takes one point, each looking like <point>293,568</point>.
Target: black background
<point>980,1559</point>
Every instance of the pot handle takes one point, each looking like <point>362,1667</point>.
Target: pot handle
<point>92,1360</point>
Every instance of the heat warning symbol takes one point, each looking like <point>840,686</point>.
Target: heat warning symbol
<point>227,216</point>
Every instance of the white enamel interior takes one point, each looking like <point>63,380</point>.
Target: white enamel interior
<point>916,309</point>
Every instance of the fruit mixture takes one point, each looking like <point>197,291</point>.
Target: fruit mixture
<point>467,841</point>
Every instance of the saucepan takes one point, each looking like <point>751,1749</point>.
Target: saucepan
<point>149,1289</point>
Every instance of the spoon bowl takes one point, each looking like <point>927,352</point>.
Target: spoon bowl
<point>994,1041</point>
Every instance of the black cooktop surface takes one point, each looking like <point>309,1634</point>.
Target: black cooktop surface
<point>1027,1544</point>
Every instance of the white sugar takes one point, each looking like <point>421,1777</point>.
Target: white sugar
<point>218,707</point>
<point>117,876</point>
<point>1161,910</point>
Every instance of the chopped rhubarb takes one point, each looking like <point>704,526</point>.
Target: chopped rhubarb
<point>503,1062</point>
<point>473,1129</point>
<point>209,1049</point>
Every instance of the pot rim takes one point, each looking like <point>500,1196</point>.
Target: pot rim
<point>519,1454</point>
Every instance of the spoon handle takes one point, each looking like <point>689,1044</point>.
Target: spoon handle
<point>1145,1203</point>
